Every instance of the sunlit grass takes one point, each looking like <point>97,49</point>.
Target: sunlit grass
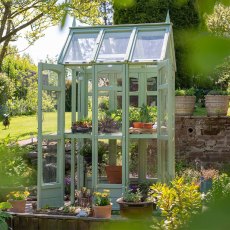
<point>22,127</point>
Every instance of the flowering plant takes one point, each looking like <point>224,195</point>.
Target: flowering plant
<point>18,195</point>
<point>102,198</point>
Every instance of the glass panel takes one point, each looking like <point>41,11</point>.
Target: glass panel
<point>148,45</point>
<point>81,47</point>
<point>133,84</point>
<point>133,101</point>
<point>49,78</point>
<point>152,100</point>
<point>114,46</point>
<point>152,84</point>
<point>109,102</point>
<point>164,114</point>
<point>49,160</point>
<point>142,160</point>
<point>50,112</point>
<point>110,161</point>
<point>85,149</point>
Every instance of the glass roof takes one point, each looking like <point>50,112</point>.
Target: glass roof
<point>124,43</point>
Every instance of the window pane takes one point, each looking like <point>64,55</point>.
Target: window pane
<point>148,45</point>
<point>81,47</point>
<point>49,159</point>
<point>114,46</point>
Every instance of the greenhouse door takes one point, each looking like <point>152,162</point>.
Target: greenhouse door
<point>51,120</point>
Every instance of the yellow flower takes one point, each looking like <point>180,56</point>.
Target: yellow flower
<point>26,193</point>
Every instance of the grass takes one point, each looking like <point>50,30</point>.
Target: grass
<point>22,127</point>
<point>201,111</point>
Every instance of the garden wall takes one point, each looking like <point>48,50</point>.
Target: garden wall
<point>48,222</point>
<point>203,140</point>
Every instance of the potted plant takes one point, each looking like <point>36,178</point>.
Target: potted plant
<point>148,116</point>
<point>102,206</point>
<point>134,205</point>
<point>82,126</point>
<point>217,102</point>
<point>18,200</point>
<point>109,123</point>
<point>134,117</point>
<point>185,102</point>
<point>207,176</point>
<point>83,197</point>
<point>86,151</point>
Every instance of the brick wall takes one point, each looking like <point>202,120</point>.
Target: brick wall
<point>206,139</point>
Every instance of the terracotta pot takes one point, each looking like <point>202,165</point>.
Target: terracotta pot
<point>147,125</point>
<point>114,174</point>
<point>18,205</point>
<point>137,124</point>
<point>102,211</point>
<point>140,210</point>
<point>185,105</point>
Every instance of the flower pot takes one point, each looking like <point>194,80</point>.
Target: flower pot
<point>147,125</point>
<point>18,205</point>
<point>131,210</point>
<point>137,124</point>
<point>216,105</point>
<point>114,174</point>
<point>102,211</point>
<point>185,105</point>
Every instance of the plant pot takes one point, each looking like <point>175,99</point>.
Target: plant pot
<point>185,105</point>
<point>114,174</point>
<point>147,125</point>
<point>141,210</point>
<point>18,206</point>
<point>102,211</point>
<point>216,105</point>
<point>205,185</point>
<point>137,124</point>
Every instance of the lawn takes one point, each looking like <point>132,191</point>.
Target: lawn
<point>24,126</point>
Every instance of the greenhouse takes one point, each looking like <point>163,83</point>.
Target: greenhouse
<point>121,82</point>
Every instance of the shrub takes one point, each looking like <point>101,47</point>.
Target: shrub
<point>217,92</point>
<point>4,215</point>
<point>177,202</point>
<point>14,166</point>
<point>220,188</point>
<point>185,92</point>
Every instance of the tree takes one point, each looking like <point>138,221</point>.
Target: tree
<point>30,18</point>
<point>183,15</point>
<point>219,21</point>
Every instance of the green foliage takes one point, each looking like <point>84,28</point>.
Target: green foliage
<point>134,114</point>
<point>177,202</point>
<point>132,196</point>
<point>190,175</point>
<point>19,85</point>
<point>102,198</point>
<point>6,89</point>
<point>220,188</point>
<point>219,21</point>
<point>221,75</point>
<point>148,113</point>
<point>217,92</point>
<point>86,149</point>
<point>15,169</point>
<point>185,92</point>
<point>4,215</point>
